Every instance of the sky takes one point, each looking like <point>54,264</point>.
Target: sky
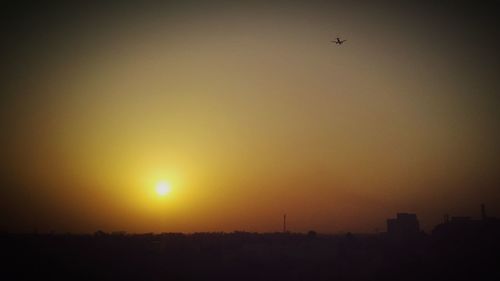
<point>247,111</point>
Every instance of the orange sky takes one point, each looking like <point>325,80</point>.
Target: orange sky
<point>249,112</point>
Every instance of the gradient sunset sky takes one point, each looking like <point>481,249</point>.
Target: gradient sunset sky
<point>248,111</point>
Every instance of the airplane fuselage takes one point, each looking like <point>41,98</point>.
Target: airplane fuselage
<point>338,41</point>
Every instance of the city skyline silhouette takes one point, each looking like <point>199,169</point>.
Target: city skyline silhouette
<point>250,140</point>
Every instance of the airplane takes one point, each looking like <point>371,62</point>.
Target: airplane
<point>338,41</point>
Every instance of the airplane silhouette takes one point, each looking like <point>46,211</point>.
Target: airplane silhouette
<point>338,41</point>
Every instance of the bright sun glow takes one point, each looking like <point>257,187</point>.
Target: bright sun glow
<point>162,188</point>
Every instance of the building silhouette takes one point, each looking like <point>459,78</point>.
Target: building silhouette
<point>403,225</point>
<point>468,226</point>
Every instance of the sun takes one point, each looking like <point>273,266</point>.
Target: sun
<point>163,188</point>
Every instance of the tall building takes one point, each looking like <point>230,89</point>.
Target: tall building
<point>403,225</point>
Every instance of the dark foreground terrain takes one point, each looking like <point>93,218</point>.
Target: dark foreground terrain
<point>447,254</point>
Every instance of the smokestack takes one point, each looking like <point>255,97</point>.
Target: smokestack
<point>483,211</point>
<point>284,223</point>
